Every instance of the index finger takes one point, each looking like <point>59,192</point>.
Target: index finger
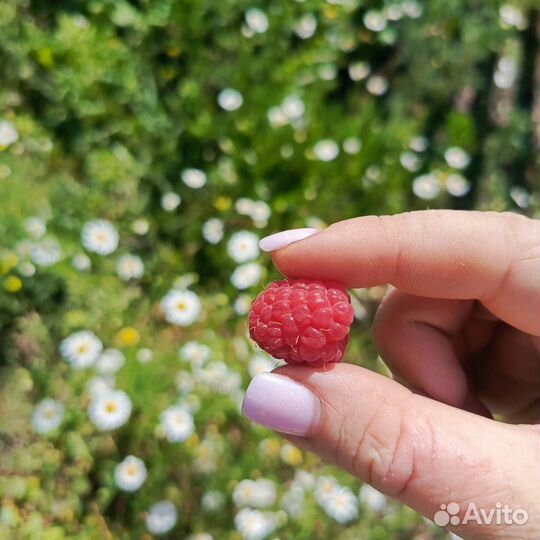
<point>488,256</point>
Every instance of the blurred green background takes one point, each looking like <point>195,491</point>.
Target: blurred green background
<point>145,146</point>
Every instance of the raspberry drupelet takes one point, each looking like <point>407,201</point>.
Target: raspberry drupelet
<point>302,321</point>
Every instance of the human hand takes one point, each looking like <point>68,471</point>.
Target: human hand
<point>460,330</point>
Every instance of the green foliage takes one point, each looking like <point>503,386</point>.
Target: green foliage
<point>112,101</point>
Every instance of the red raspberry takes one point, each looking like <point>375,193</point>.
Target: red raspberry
<point>302,321</point>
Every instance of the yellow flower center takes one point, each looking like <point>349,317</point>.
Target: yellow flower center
<point>111,407</point>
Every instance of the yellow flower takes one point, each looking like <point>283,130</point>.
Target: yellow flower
<point>8,261</point>
<point>12,284</point>
<point>291,455</point>
<point>270,447</point>
<point>128,336</point>
<point>222,203</point>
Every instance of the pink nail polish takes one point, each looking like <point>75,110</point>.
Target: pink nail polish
<point>281,404</point>
<point>283,239</point>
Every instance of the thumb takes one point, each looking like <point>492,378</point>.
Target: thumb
<point>417,450</point>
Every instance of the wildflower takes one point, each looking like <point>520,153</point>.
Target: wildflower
<point>324,487</point>
<point>35,227</point>
<point>257,20</point>
<point>128,336</point>
<point>12,284</point>
<point>47,416</point>
<point>81,349</point>
<point>242,304</point>
<point>375,21</point>
<point>243,246</point>
<point>181,308</point>
<point>260,363</point>
<point>426,186</point>
<point>341,504</point>
<point>177,423</point>
<point>326,150</point>
<point>170,201</point>
<point>409,161</point>
<point>259,493</point>
<point>352,145</point>
<point>372,498</point>
<point>293,502</point>
<point>162,517</point>
<point>246,275</point>
<point>293,107</point>
<point>130,267</point>
<point>212,230</point>
<point>100,385</point>
<point>81,262</point>
<point>193,178</point>
<point>100,236</point>
<point>110,410</point>
<point>144,355</point>
<point>140,226</point>
<point>110,361</point>
<point>457,185</point>
<point>457,158</point>
<point>8,134</point>
<point>254,524</point>
<point>195,353</point>
<point>46,253</point>
<point>212,500</point>
<point>230,99</point>
<point>359,71</point>
<point>377,85</point>
<point>306,26</point>
<point>130,474</point>
<point>291,455</point>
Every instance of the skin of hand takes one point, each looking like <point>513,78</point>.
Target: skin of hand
<point>460,330</point>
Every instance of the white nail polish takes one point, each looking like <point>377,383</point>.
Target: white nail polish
<point>285,238</point>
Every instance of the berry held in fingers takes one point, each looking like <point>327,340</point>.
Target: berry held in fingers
<point>302,321</point>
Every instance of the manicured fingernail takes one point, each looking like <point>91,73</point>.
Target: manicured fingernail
<point>284,238</point>
<point>281,404</point>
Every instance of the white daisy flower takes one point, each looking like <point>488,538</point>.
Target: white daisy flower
<point>352,145</point>
<point>8,133</point>
<point>145,355</point>
<point>184,382</point>
<point>410,161</point>
<point>260,493</point>
<point>257,20</point>
<point>177,423</point>
<point>110,361</point>
<point>100,236</point>
<point>341,505</point>
<point>457,158</point>
<point>212,501</point>
<point>306,26</point>
<point>244,206</point>
<point>130,267</point>
<point>293,107</point>
<point>27,269</point>
<point>326,150</point>
<point>394,12</point>
<point>110,410</point>
<point>412,9</point>
<point>140,226</point>
<point>100,385</point>
<point>130,474</point>
<point>162,517</point>
<point>81,349</point>
<point>260,214</point>
<point>359,71</point>
<point>261,363</point>
<point>293,502</point>
<point>181,307</point>
<point>46,253</point>
<point>230,99</point>
<point>212,230</point>
<point>377,85</point>
<point>426,186</point>
<point>457,185</point>
<point>81,262</point>
<point>419,143</point>
<point>512,16</point>
<point>325,485</point>
<point>193,178</point>
<point>195,353</point>
<point>254,524</point>
<point>276,117</point>
<point>170,201</point>
<point>246,275</point>
<point>521,196</point>
<point>372,498</point>
<point>200,536</point>
<point>243,246</point>
<point>375,20</point>
<point>35,226</point>
<point>506,74</point>
<point>242,304</point>
<point>304,479</point>
<point>47,416</point>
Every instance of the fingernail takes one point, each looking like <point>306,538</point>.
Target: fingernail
<point>281,404</point>
<point>284,238</point>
